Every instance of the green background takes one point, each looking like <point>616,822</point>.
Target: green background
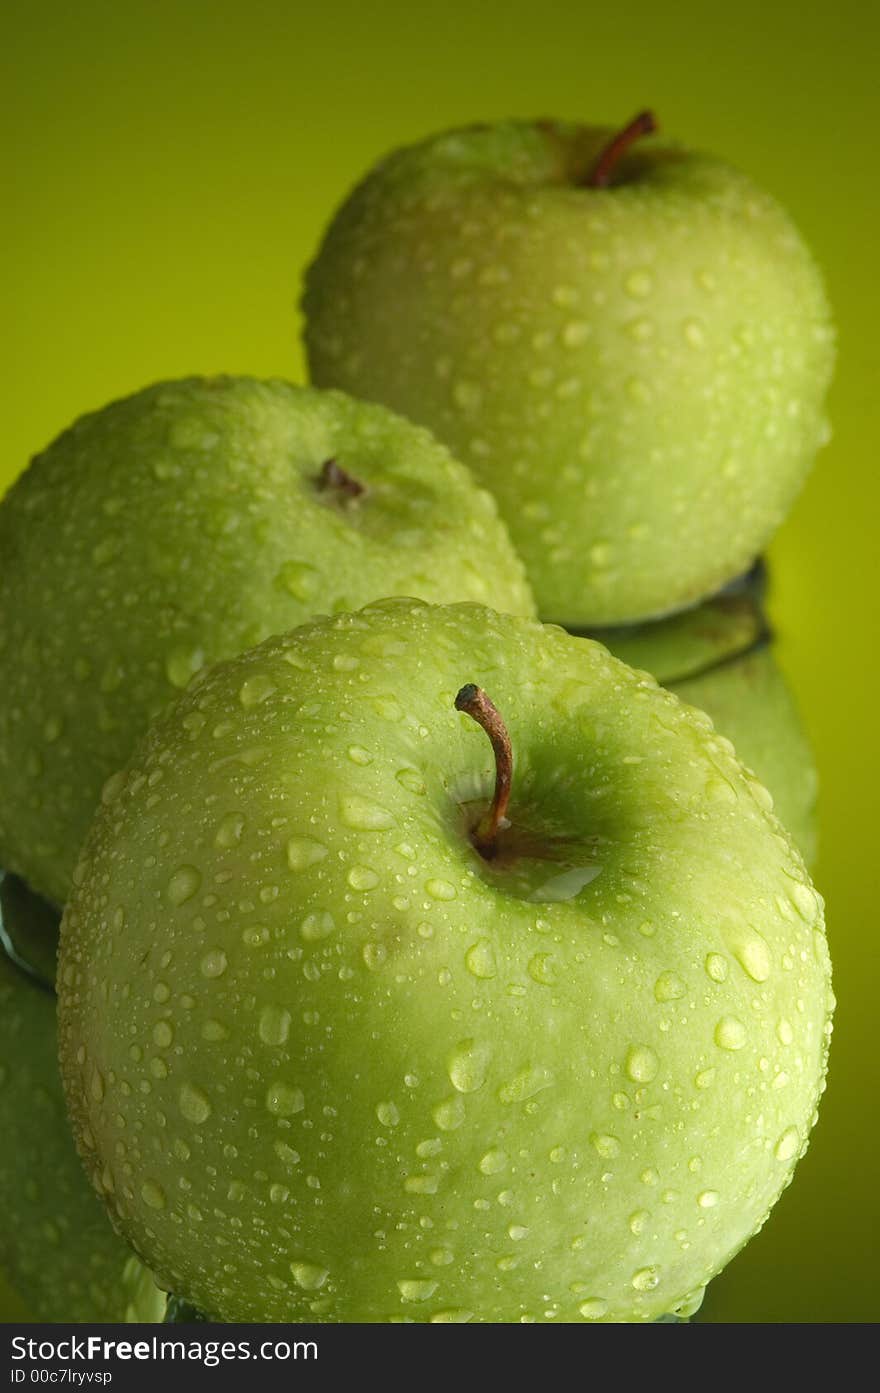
<point>167,170</point>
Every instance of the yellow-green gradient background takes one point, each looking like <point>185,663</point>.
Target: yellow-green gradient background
<point>168,168</point>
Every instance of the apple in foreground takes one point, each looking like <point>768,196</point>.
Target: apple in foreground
<point>356,1026</point>
<point>58,1250</point>
<point>182,525</point>
<point>720,658</point>
<point>628,342</point>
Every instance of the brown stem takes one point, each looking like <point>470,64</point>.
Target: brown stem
<point>600,175</point>
<point>334,479</point>
<point>474,702</point>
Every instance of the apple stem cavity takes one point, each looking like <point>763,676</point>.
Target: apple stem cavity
<point>475,703</point>
<point>600,175</point>
<point>333,479</point>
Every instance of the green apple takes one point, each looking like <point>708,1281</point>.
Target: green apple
<point>719,657</point>
<point>637,370</point>
<point>343,1041</point>
<point>58,1251</point>
<point>182,525</point>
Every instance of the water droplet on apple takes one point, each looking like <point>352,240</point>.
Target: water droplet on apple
<point>309,1275</point>
<point>480,959</point>
<point>639,1220</point>
<point>362,878</point>
<point>411,780</point>
<point>363,814</point>
<point>163,1034</point>
<point>255,936</point>
<point>493,1161</point>
<point>416,1289</point>
<point>467,1066</point>
<point>229,831</point>
<point>694,333</point>
<point>803,897</point>
<point>669,987</point>
<point>214,963</point>
<point>421,1184</point>
<point>449,1115</point>
<point>440,889</point>
<point>594,1308</point>
<point>641,1063</point>
<point>525,1085</point>
<point>646,1279</point>
<point>283,1100</point>
<point>256,689</point>
<point>153,1195</point>
<point>317,926</point>
<point>716,967</point>
<point>442,1257</point>
<point>459,1316</point>
<point>751,952</point>
<point>374,955</point>
<point>517,1232</point>
<point>708,1199</point>
<point>274,1025</point>
<point>387,1114</point>
<point>183,885</point>
<point>358,755</point>
<point>788,1145</point>
<point>303,852</point>
<point>540,969</point>
<point>604,1145</point>
<point>286,1154</point>
<point>193,1103</point>
<point>784,1032</point>
<point>730,1033</point>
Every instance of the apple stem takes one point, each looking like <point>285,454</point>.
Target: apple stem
<point>600,175</point>
<point>333,478</point>
<point>475,703</point>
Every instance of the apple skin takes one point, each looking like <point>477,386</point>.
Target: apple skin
<point>720,658</point>
<point>329,1064</point>
<point>636,372</point>
<point>751,703</point>
<point>182,525</point>
<point>58,1251</point>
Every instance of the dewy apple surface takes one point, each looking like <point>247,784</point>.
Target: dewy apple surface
<point>58,1251</point>
<point>181,525</point>
<point>636,368</point>
<point>307,986</point>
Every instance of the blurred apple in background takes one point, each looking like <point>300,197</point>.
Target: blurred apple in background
<point>628,342</point>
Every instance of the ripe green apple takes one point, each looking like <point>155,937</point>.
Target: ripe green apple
<point>637,371</point>
<point>342,1043</point>
<point>182,525</point>
<point>58,1251</point>
<point>719,657</point>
